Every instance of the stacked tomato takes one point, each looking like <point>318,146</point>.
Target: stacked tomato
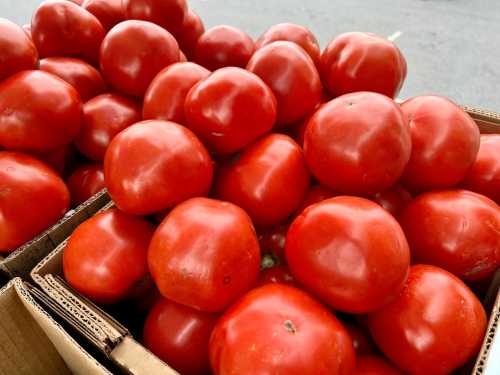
<point>287,183</point>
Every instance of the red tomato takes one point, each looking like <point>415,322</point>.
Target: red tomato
<point>269,180</point>
<point>27,30</point>
<point>16,48</point>
<point>290,73</point>
<point>433,327</point>
<point>61,159</point>
<point>445,142</point>
<point>77,2</point>
<point>276,275</point>
<point>223,46</point>
<point>182,57</point>
<point>292,33</point>
<point>457,230</point>
<point>361,340</point>
<point>358,143</point>
<point>106,256</point>
<point>394,200</point>
<point>179,336</point>
<point>484,176</point>
<point>350,252</point>
<point>277,329</point>
<point>169,14</point>
<point>108,12</point>
<point>32,198</point>
<point>205,254</point>
<point>315,195</point>
<point>83,77</point>
<point>62,28</point>
<point>167,93</point>
<point>362,62</point>
<point>134,52</point>
<point>273,241</point>
<point>104,117</point>
<point>38,112</point>
<point>374,365</point>
<point>154,165</point>
<point>191,30</point>
<point>84,182</point>
<point>230,109</point>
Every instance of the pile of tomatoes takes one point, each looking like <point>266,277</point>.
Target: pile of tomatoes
<point>281,211</point>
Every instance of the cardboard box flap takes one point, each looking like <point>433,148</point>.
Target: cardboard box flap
<point>487,121</point>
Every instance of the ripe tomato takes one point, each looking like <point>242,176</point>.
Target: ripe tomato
<point>445,142</point>
<point>350,252</point>
<point>165,97</point>
<point>230,109</point>
<point>16,48</point>
<point>205,254</point>
<point>362,62</point>
<point>273,241</point>
<point>484,176</point>
<point>374,365</point>
<point>277,329</point>
<point>106,256</point>
<point>276,275</point>
<point>83,77</point>
<point>77,2</point>
<point>433,327</point>
<point>394,200</point>
<point>61,159</point>
<point>38,112</point>
<point>154,165</point>
<point>315,195</point>
<point>108,12</point>
<point>84,182</point>
<point>62,28</point>
<point>104,117</point>
<point>169,14</point>
<point>134,52</point>
<point>191,30</point>
<point>292,33</point>
<point>32,198</point>
<point>182,57</point>
<point>457,230</point>
<point>358,143</point>
<point>179,336</point>
<point>223,46</point>
<point>290,73</point>
<point>361,341</point>
<point>269,180</point>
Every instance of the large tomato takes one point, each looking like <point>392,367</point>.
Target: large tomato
<point>32,197</point>
<point>104,117</point>
<point>61,28</point>
<point>191,30</point>
<point>374,365</point>
<point>350,252</point>
<point>358,143</point>
<point>433,327</point>
<point>290,73</point>
<point>205,254</point>
<point>277,329</point>
<point>269,180</point>
<point>84,182</point>
<point>154,165</point>
<point>38,112</point>
<point>230,109</point>
<point>169,14</point>
<point>83,77</point>
<point>359,61</point>
<point>108,12</point>
<point>394,199</point>
<point>445,142</point>
<point>16,48</point>
<point>106,256</point>
<point>134,52</point>
<point>457,230</point>
<point>165,97</point>
<point>179,336</point>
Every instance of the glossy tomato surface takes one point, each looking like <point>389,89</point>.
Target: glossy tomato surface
<point>104,117</point>
<point>106,256</point>
<point>445,143</point>
<point>277,329</point>
<point>62,28</point>
<point>166,95</point>
<point>205,254</point>
<point>82,76</point>
<point>134,52</point>
<point>358,143</point>
<point>350,252</point>
<point>191,30</point>
<point>359,61</point>
<point>457,230</point>
<point>108,12</point>
<point>374,365</point>
<point>230,109</point>
<point>169,14</point>
<point>179,336</point>
<point>394,199</point>
<point>269,180</point>
<point>16,48</point>
<point>276,275</point>
<point>316,194</point>
<point>84,182</point>
<point>38,112</point>
<point>154,165</point>
<point>290,73</point>
<point>433,327</point>
<point>32,198</point>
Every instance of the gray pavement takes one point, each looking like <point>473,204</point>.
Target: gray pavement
<point>452,46</point>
